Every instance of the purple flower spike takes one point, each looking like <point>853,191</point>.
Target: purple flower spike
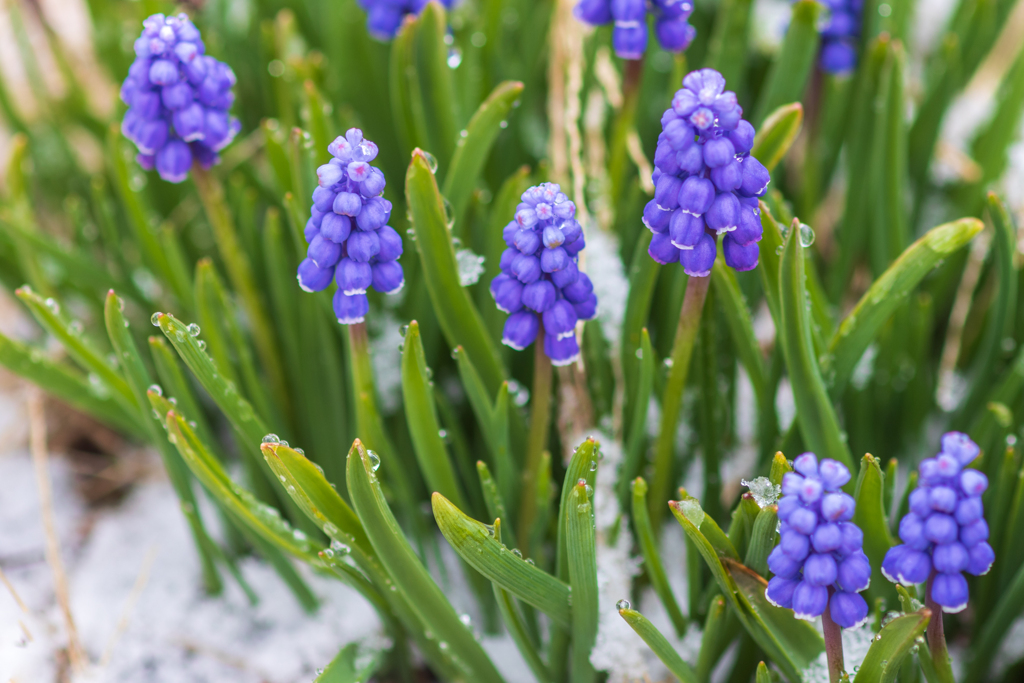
<point>629,18</point>
<point>540,281</point>
<point>840,32</point>
<point>348,238</point>
<point>945,533</point>
<point>178,99</point>
<point>819,562</point>
<point>706,183</point>
<point>384,17</point>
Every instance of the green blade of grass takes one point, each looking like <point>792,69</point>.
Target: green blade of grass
<point>410,577</point>
<point>476,544</point>
<point>892,644</point>
<point>648,543</point>
<point>659,645</point>
<point>581,552</point>
<point>792,67</point>
<point>870,517</point>
<point>776,135</point>
<point>636,436</point>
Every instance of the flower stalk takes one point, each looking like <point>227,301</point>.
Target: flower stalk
<point>937,637</point>
<point>833,644</point>
<point>540,422</point>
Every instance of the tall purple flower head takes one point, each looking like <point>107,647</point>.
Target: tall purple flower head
<point>840,33</point>
<point>384,17</point>
<point>540,284</point>
<point>629,35</point>
<point>178,99</point>
<point>820,561</point>
<point>349,239</point>
<point>945,533</point>
<point>705,181</point>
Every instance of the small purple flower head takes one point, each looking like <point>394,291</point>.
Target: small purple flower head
<point>706,184</point>
<point>349,239</point>
<point>819,547</point>
<point>384,17</point>
<point>629,23</point>
<point>178,99</point>
<point>945,533</point>
<point>540,284</point>
<point>840,32</point>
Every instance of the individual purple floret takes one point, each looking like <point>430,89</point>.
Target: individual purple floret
<point>349,239</point>
<point>540,281</point>
<point>629,35</point>
<point>945,533</point>
<point>178,99</point>
<point>705,181</point>
<point>820,551</point>
<point>840,33</point>
<point>384,17</point>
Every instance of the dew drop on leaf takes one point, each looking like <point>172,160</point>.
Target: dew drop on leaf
<point>622,604</point>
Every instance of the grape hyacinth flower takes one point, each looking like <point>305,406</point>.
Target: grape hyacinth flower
<point>706,183</point>
<point>178,99</point>
<point>349,239</point>
<point>540,282</point>
<point>945,533</point>
<point>820,561</point>
<point>840,33</point>
<point>629,35</point>
<point>384,17</point>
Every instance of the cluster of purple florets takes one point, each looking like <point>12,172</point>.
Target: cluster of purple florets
<point>539,279</point>
<point>178,99</point>
<point>384,17</point>
<point>945,533</point>
<point>629,36</point>
<point>706,183</point>
<point>348,235</point>
<point>819,548</point>
<point>839,35</point>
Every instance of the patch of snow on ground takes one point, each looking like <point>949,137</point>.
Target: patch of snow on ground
<point>856,642</point>
<point>605,269</point>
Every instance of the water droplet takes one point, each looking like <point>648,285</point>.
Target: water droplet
<point>173,401</point>
<point>193,330</point>
<point>470,266</point>
<point>302,452</point>
<point>593,466</point>
<point>155,388</point>
<point>589,490</point>
<point>52,305</point>
<point>449,214</point>
<point>202,345</point>
<point>778,250</point>
<point>806,235</point>
<point>75,328</point>
<point>454,57</point>
<point>443,646</point>
<point>692,510</point>
<point>518,553</point>
<point>155,319</point>
<point>431,164</point>
<point>271,438</point>
<point>403,330</point>
<point>443,434</point>
<point>622,604</point>
<point>463,133</point>
<point>466,620</point>
<point>669,362</point>
<point>640,353</point>
<point>374,460</point>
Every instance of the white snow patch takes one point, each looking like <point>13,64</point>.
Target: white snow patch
<point>605,269</point>
<point>856,642</point>
<point>387,360</point>
<point>1012,649</point>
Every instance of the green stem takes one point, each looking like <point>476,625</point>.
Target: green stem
<point>625,120</point>
<point>211,194</point>
<point>540,421</point>
<point>937,638</point>
<point>833,643</point>
<point>672,400</point>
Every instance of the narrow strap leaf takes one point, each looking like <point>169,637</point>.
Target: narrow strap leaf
<point>652,558</point>
<point>776,135</point>
<point>637,427</point>
<point>792,67</point>
<point>410,577</point>
<point>476,544</point>
<point>659,645</point>
<point>763,537</point>
<point>871,518</point>
<point>581,550</point>
<point>892,644</point>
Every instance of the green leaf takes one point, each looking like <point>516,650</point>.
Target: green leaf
<point>792,644</point>
<point>406,100</point>
<point>727,49</point>
<point>762,674</point>
<point>643,276</point>
<point>994,629</point>
<point>517,628</point>
<point>990,149</point>
<point>719,630</point>
<point>421,415</point>
<point>581,552</point>
<point>871,518</point>
<point>138,380</point>
<point>647,540</point>
<point>815,413</point>
<point>637,427</point>
<point>493,500</point>
<point>410,577</point>
<point>343,668</point>
<point>770,262</point>
<point>887,293</point>
<point>435,79</point>
<point>659,645</point>
<point>741,327</point>
<point>789,72</point>
<point>68,385</point>
<point>763,537</point>
<point>474,146</point>
<point>892,644</point>
<point>476,544</point>
<point>459,320</point>
<point>47,313</point>
<point>776,135</point>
